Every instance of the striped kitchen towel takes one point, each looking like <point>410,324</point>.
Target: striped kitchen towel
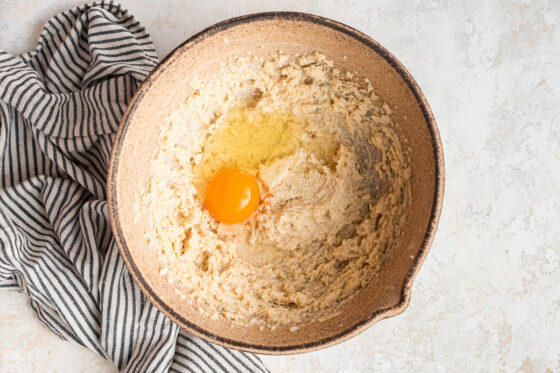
<point>60,106</point>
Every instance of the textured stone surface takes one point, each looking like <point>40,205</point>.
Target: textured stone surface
<point>488,295</point>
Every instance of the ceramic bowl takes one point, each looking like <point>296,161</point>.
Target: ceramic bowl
<point>263,34</point>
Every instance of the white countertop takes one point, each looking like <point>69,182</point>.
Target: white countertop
<point>488,295</point>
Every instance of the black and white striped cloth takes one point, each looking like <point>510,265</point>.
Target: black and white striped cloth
<point>60,106</point>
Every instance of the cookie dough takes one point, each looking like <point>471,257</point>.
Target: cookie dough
<point>335,183</point>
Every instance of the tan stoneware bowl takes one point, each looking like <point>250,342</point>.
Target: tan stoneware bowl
<point>263,34</point>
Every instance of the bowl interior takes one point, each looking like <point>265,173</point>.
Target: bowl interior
<point>263,35</point>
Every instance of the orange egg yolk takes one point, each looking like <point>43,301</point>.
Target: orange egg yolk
<point>232,195</point>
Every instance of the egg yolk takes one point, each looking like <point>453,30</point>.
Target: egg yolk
<point>232,195</point>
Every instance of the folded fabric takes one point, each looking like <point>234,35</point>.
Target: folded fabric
<point>60,106</point>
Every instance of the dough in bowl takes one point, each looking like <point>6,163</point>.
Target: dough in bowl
<point>334,180</point>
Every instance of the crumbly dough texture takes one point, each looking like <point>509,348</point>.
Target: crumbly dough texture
<point>324,226</point>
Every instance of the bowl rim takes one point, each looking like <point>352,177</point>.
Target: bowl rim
<point>428,236</point>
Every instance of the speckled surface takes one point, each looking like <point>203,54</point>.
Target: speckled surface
<point>488,295</point>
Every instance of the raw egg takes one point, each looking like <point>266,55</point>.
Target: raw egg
<point>232,195</point>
